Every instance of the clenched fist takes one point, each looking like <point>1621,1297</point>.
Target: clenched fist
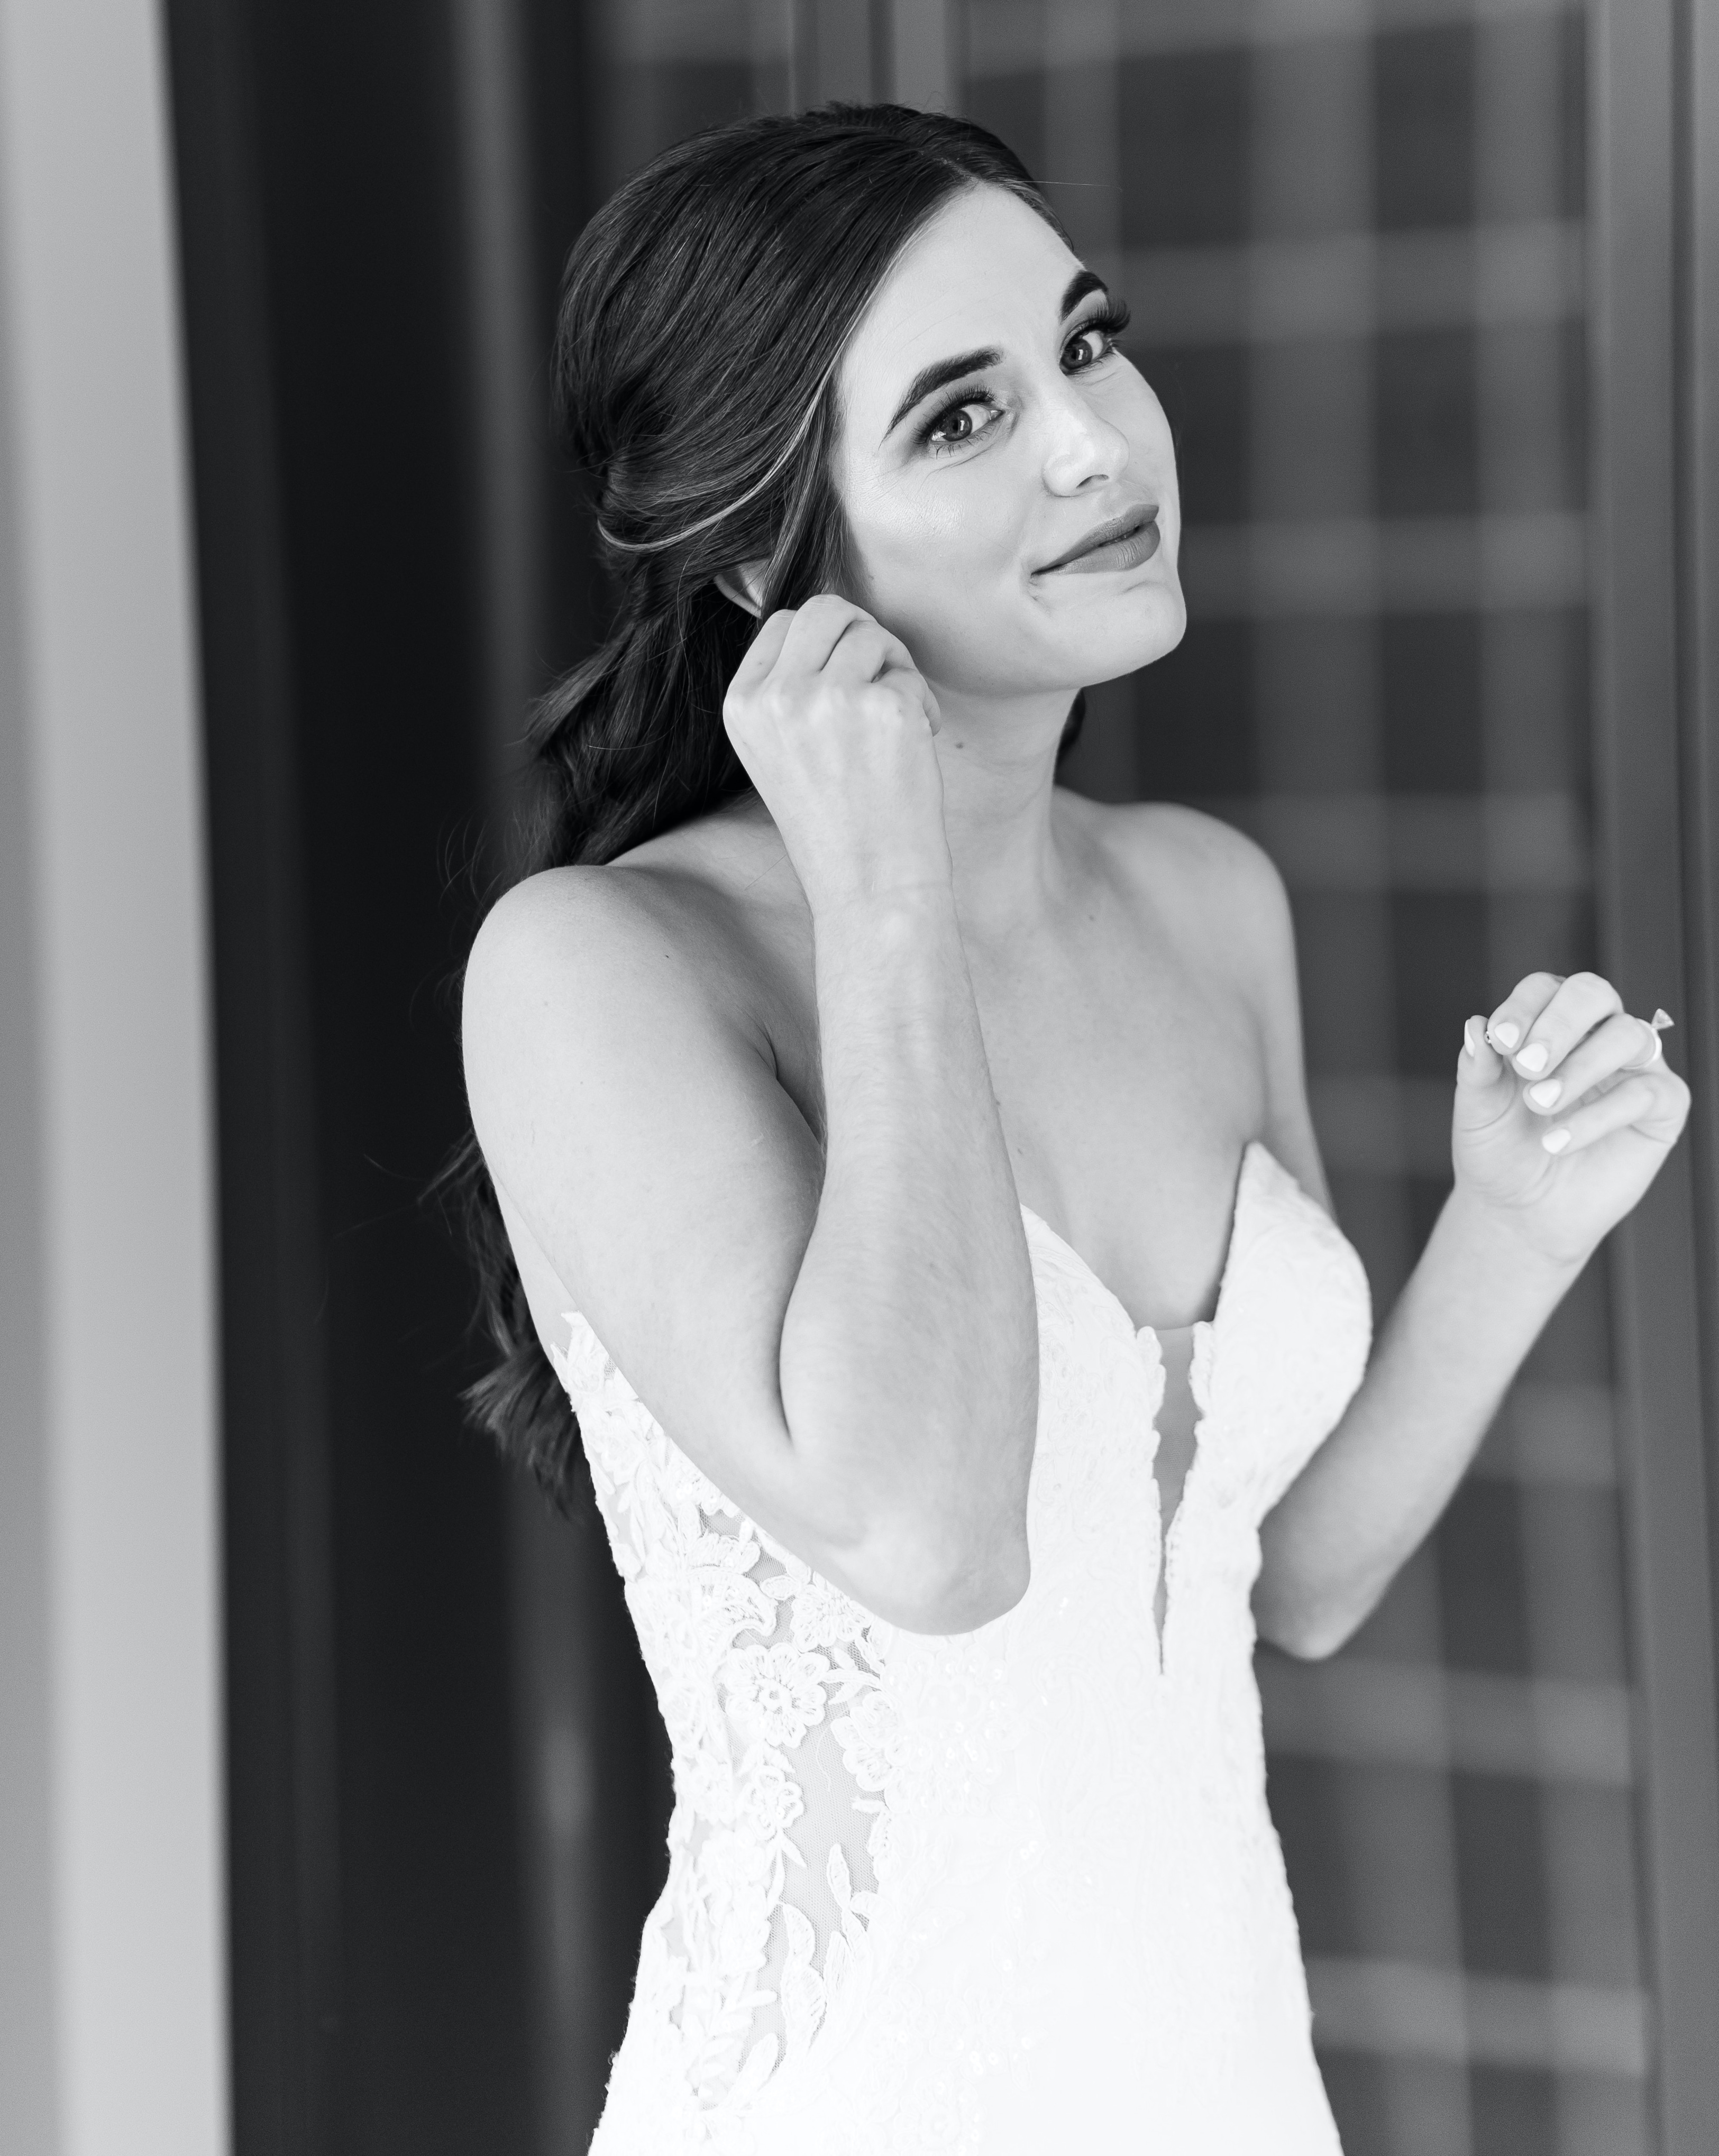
<point>834,724</point>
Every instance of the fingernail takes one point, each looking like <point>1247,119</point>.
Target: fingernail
<point>1555,1140</point>
<point>1545,1093</point>
<point>1534,1058</point>
<point>1470,1045</point>
<point>1506,1034</point>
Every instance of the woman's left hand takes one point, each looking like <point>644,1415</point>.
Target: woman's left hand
<point>1564,1112</point>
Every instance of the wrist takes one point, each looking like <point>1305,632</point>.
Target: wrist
<point>1496,1238</point>
<point>897,952</point>
<point>907,903</point>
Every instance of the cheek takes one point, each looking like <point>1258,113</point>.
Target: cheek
<point>944,556</point>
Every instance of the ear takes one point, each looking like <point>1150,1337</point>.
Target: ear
<point>745,585</point>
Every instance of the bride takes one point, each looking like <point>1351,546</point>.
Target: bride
<point>903,1166</point>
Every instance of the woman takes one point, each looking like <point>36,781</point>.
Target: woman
<point>908,1171</point>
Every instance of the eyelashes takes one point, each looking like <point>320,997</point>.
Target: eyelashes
<point>957,407</point>
<point>1107,324</point>
<point>1110,322</point>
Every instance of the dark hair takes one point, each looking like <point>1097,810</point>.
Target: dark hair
<point>703,312</point>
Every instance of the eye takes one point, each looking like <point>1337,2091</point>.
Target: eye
<point>958,424</point>
<point>1094,340</point>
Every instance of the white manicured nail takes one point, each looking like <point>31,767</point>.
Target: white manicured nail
<point>1533,1059</point>
<point>1555,1140</point>
<point>1470,1045</point>
<point>1506,1034</point>
<point>1545,1093</point>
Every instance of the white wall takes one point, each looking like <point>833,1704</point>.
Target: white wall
<point>112,1991</point>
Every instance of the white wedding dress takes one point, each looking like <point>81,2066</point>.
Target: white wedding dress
<point>1015,1890</point>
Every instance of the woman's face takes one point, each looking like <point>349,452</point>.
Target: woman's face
<point>992,432</point>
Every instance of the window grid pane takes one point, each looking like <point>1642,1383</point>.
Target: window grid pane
<point>1352,236</point>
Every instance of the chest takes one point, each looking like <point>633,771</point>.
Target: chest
<point>1128,1074</point>
<point>1127,1079</point>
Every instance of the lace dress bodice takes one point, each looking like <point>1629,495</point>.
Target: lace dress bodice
<point>1019,1887</point>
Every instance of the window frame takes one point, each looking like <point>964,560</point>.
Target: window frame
<point>1655,318</point>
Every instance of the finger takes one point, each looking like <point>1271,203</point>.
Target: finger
<point>818,627</point>
<point>1620,1043</point>
<point>1480,1064</point>
<point>912,684</point>
<point>1656,1026</point>
<point>1508,1026</point>
<point>1655,1104</point>
<point>1575,1006</point>
<point>865,650</point>
<point>763,651</point>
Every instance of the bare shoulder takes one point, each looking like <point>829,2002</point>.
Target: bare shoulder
<point>608,930</point>
<point>1217,887</point>
<point>586,955</point>
<point>624,1088</point>
<point>627,1037</point>
<point>664,935</point>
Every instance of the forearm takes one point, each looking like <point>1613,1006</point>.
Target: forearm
<point>1472,1309</point>
<point>908,1356</point>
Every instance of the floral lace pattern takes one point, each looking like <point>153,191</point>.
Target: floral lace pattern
<point>961,1893</point>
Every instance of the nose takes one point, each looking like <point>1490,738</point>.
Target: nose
<point>1084,450</point>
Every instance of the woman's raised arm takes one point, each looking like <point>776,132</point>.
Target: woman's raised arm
<point>846,1343</point>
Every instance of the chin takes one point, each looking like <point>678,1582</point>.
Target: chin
<point>1126,636</point>
<point>1101,640</point>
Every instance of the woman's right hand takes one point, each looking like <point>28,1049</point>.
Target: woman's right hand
<point>834,724</point>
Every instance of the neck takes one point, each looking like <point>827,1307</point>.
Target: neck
<point>999,766</point>
<point>999,769</point>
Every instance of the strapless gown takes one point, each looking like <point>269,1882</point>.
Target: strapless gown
<point>1015,1890</point>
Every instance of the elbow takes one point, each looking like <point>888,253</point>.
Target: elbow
<point>1311,1630</point>
<point>939,1592</point>
<point>979,1595</point>
<point>924,1557</point>
<point>1307,1642</point>
<point>1307,1608</point>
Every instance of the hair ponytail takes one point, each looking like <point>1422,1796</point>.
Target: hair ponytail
<point>703,314</point>
<point>610,768</point>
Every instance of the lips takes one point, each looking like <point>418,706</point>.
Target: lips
<point>1119,542</point>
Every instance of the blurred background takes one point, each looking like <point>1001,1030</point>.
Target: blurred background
<point>1430,290</point>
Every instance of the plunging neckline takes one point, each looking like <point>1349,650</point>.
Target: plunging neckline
<point>1108,1295</point>
<point>1203,1334</point>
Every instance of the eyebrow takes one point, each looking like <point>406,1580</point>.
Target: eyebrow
<point>942,372</point>
<point>1079,284</point>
